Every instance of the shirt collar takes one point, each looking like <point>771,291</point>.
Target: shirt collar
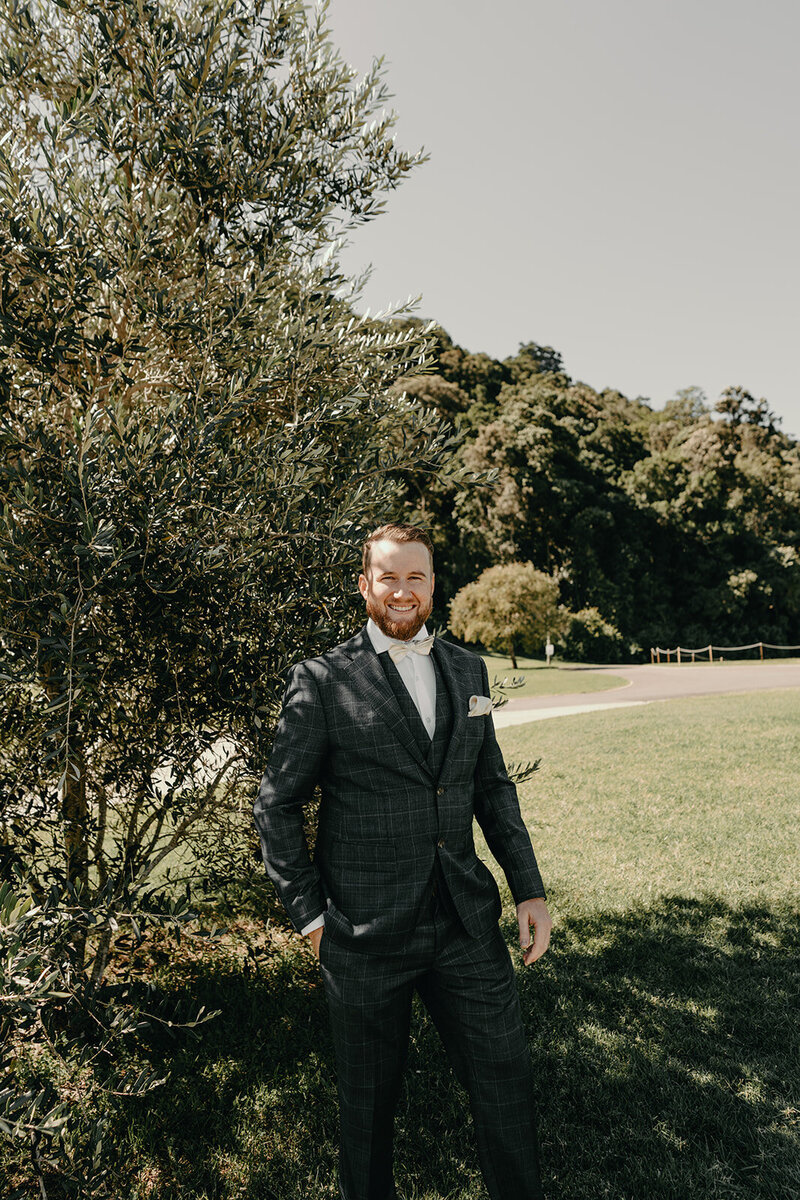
<point>380,642</point>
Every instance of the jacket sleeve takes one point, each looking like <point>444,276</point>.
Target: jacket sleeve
<point>498,814</point>
<point>298,754</point>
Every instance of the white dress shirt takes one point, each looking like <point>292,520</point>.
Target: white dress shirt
<point>416,672</point>
<point>419,676</point>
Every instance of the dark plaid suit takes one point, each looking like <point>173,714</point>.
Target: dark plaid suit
<point>408,904</point>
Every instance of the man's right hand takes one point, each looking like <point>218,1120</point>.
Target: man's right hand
<point>315,937</point>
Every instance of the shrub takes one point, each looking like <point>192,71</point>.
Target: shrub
<point>589,637</point>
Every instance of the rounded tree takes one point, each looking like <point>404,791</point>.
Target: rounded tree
<point>512,608</point>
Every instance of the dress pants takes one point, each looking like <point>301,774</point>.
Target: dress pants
<point>468,987</point>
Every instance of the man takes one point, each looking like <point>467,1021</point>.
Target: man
<point>394,727</point>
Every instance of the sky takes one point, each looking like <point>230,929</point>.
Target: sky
<point>619,179</point>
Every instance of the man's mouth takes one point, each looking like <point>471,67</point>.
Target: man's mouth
<point>401,608</point>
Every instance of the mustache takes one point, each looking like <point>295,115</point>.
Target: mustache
<point>400,632</point>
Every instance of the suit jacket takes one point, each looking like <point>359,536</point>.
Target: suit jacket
<point>386,816</point>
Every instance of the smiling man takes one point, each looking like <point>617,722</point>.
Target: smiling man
<point>397,585</point>
<point>396,899</point>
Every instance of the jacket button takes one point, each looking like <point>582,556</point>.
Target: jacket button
<point>440,791</point>
<point>440,843</point>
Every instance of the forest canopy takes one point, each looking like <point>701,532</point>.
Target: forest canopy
<point>678,525</point>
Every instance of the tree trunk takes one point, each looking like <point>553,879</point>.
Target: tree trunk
<point>75,816</point>
<point>512,652</point>
<point>75,819</point>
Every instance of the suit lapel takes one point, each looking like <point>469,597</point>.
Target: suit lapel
<point>368,676</point>
<point>458,685</point>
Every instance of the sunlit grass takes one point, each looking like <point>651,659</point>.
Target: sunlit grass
<point>557,679</point>
<point>692,797</point>
<point>663,1022</point>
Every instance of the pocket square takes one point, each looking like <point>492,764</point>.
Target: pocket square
<point>479,706</point>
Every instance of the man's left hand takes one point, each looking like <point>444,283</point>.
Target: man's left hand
<point>533,912</point>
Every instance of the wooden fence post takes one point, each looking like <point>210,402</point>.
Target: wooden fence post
<point>710,654</point>
<point>761,650</point>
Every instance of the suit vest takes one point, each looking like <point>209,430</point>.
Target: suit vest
<point>434,749</point>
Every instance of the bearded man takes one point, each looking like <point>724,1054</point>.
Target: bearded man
<point>395,727</point>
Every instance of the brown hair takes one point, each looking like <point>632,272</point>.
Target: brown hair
<point>395,533</point>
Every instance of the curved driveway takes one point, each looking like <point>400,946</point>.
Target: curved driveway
<point>647,683</point>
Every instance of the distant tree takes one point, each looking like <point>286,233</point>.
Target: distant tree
<point>587,637</point>
<point>644,514</point>
<point>742,408</point>
<point>533,359</point>
<point>559,450</point>
<point>434,392</point>
<point>512,608</point>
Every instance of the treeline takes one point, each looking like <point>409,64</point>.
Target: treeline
<point>678,525</point>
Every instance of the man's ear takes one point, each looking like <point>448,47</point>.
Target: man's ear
<point>363,585</point>
<point>433,581</point>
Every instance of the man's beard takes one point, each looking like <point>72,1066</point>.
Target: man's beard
<point>402,633</point>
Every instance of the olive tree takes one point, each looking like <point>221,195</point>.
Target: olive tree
<point>195,433</point>
<point>196,429</point>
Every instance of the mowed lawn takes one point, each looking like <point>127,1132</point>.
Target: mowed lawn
<point>665,1019</point>
<point>540,680</point>
<point>663,1023</point>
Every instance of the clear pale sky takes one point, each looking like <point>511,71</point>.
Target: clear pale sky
<point>616,178</point>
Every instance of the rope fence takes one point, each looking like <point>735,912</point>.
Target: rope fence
<point>706,653</point>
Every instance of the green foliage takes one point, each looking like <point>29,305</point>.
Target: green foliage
<point>651,517</point>
<point>588,637</point>
<point>195,430</point>
<point>676,920</point>
<point>533,359</point>
<point>510,608</point>
<point>195,433</point>
<point>540,678</point>
<point>68,1063</point>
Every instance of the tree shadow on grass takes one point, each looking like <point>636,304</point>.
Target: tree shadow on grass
<point>664,1040</point>
<point>667,1047</point>
<point>248,1107</point>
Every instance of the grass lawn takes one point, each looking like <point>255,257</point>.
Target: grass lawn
<point>663,1022</point>
<point>541,680</point>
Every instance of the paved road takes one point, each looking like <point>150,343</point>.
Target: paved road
<point>647,683</point>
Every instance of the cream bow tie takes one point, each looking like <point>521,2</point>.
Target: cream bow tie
<point>399,650</point>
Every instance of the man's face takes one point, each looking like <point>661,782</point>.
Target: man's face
<point>398,588</point>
